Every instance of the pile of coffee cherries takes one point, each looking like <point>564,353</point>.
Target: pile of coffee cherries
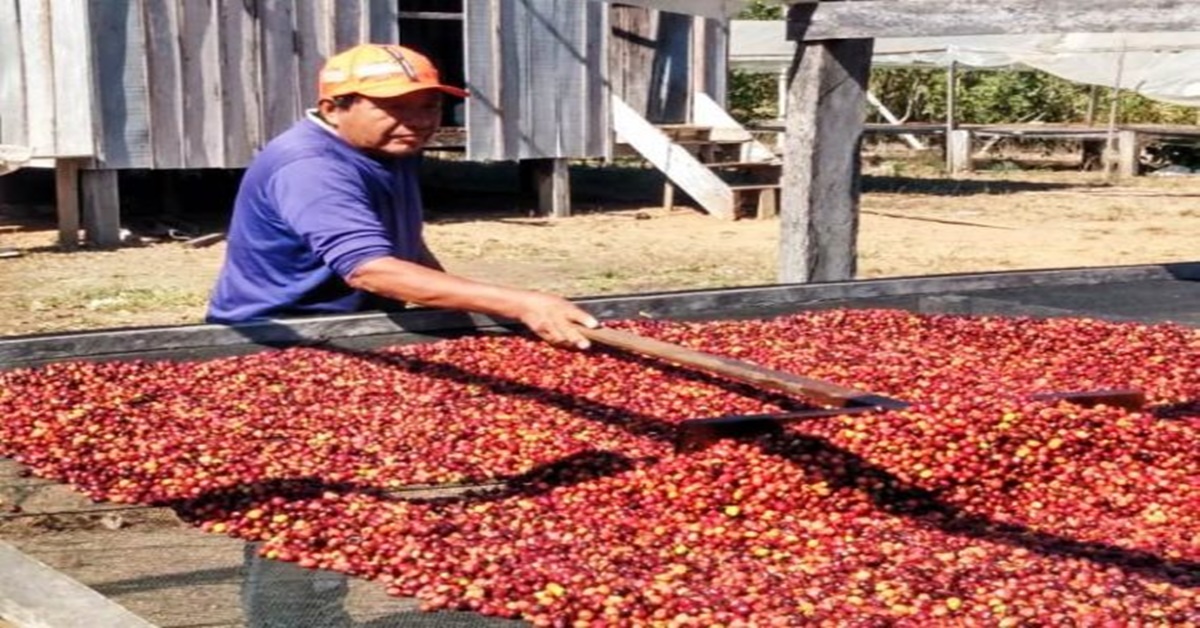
<point>563,498</point>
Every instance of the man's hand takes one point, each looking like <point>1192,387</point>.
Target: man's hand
<point>555,320</point>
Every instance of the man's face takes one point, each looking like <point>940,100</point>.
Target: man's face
<point>395,127</point>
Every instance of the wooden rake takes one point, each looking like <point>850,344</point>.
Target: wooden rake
<point>836,400</point>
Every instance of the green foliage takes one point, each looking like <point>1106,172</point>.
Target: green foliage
<point>753,96</point>
<point>1011,96</point>
<point>982,97</point>
<point>760,10</point>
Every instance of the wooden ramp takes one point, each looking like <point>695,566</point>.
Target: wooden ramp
<point>714,160</point>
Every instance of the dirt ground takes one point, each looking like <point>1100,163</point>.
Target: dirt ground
<point>910,225</point>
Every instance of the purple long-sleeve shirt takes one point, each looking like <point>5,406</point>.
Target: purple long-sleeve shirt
<point>310,210</point>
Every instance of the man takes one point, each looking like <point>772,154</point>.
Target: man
<point>328,219</point>
<point>328,216</point>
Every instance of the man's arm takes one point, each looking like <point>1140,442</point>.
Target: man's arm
<point>427,259</point>
<point>553,318</point>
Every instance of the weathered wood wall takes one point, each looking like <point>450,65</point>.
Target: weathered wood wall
<point>657,60</point>
<point>186,84</point>
<point>168,83</point>
<point>204,83</point>
<point>536,78</point>
<point>45,86</point>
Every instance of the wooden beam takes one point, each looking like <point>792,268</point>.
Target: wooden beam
<point>1128,149</point>
<point>717,9</point>
<point>958,151</point>
<point>932,18</point>
<point>33,594</point>
<point>681,167</point>
<point>430,15</point>
<point>552,178</point>
<point>924,293</point>
<point>66,192</point>
<point>101,207</point>
<point>826,112</point>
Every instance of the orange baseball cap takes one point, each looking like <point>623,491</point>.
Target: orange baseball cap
<point>380,70</point>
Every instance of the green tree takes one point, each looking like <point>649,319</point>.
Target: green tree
<point>753,96</point>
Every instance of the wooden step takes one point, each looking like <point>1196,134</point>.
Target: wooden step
<point>744,165</point>
<point>685,132</point>
<point>713,142</point>
<point>765,197</point>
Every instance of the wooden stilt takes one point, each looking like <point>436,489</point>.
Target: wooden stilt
<point>66,192</point>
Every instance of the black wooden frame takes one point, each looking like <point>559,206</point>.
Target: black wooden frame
<point>957,293</point>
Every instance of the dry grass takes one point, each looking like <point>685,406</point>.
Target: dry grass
<point>917,224</point>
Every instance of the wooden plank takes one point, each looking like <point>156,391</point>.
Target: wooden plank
<point>13,124</point>
<point>632,42</point>
<point>670,83</point>
<point>33,594</point>
<point>723,127</point>
<point>572,72</point>
<point>17,351</point>
<point>430,15</point>
<point>509,41</point>
<point>348,28</point>
<point>66,199</point>
<point>314,39</point>
<point>719,9</point>
<point>717,43</point>
<point>39,76</point>
<point>552,73</point>
<point>826,110</point>
<point>101,207</point>
<point>74,132</point>
<point>238,38</point>
<point>680,166</point>
<point>280,90</point>
<point>596,83</point>
<point>933,18</point>
<point>200,59</point>
<point>119,49</point>
<point>383,23</point>
<point>553,182</point>
<point>823,392</point>
<point>951,97</point>
<point>165,82</point>
<point>483,107</point>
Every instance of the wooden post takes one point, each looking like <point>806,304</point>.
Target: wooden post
<point>101,207</point>
<point>826,113</point>
<point>1110,144</point>
<point>698,53</point>
<point>1128,147</point>
<point>958,151</point>
<point>552,178</point>
<point>66,192</point>
<point>951,113</point>
<point>1093,104</point>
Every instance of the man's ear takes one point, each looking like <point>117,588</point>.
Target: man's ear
<point>328,111</point>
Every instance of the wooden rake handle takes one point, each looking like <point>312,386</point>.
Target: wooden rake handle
<point>822,392</point>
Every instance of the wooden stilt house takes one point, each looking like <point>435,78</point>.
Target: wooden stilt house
<point>95,87</point>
